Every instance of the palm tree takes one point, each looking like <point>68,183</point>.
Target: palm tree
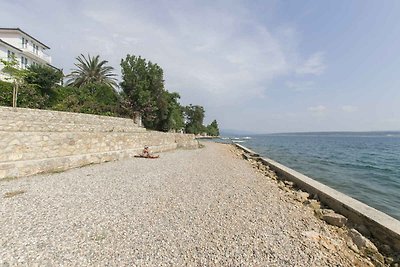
<point>91,70</point>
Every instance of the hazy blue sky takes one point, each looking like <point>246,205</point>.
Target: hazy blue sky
<point>264,66</point>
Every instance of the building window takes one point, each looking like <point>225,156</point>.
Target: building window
<point>24,43</point>
<point>24,62</point>
<point>10,55</point>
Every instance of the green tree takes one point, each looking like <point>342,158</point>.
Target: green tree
<point>212,128</point>
<point>15,74</point>
<point>194,116</point>
<point>91,70</point>
<point>143,87</point>
<point>44,79</point>
<point>170,115</point>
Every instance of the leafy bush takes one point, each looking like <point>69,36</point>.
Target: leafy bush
<point>6,89</point>
<point>44,79</point>
<point>28,96</point>
<point>97,99</point>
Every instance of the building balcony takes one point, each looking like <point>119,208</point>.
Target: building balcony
<point>38,54</point>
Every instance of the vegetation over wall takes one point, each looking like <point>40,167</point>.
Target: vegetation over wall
<point>92,88</point>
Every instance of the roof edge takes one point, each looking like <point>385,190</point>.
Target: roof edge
<point>21,31</point>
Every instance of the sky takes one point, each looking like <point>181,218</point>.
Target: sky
<point>259,66</point>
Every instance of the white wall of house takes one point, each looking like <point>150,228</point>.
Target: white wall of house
<point>31,49</point>
<point>3,55</point>
<point>26,49</point>
<point>13,38</point>
<point>3,52</point>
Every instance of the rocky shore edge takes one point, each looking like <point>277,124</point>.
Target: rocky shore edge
<point>358,237</point>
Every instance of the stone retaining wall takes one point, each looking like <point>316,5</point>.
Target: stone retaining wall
<point>34,141</point>
<point>382,227</point>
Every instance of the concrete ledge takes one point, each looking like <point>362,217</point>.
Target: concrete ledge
<point>382,226</point>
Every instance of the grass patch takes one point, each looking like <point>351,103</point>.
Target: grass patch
<point>13,193</point>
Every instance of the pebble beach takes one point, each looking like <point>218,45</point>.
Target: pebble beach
<point>204,207</point>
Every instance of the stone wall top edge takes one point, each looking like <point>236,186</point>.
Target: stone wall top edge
<point>55,112</point>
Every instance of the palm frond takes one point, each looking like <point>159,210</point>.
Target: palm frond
<point>91,70</point>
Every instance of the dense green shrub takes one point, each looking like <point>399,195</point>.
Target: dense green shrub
<point>6,89</point>
<point>45,79</point>
<point>29,96</point>
<point>97,99</point>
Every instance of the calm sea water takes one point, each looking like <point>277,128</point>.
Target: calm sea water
<point>365,166</point>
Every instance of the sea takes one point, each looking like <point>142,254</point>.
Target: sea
<point>363,165</point>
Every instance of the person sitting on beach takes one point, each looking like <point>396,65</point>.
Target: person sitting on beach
<point>146,153</point>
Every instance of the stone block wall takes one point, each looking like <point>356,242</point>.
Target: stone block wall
<point>36,141</point>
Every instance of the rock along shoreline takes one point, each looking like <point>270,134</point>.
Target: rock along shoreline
<point>364,223</point>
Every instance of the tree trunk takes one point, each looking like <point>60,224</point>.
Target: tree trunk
<point>14,96</point>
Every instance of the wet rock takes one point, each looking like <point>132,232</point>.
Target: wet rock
<point>335,219</point>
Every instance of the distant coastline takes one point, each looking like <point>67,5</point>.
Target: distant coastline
<point>239,133</point>
<point>342,133</point>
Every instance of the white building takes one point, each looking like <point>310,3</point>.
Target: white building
<point>26,49</point>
